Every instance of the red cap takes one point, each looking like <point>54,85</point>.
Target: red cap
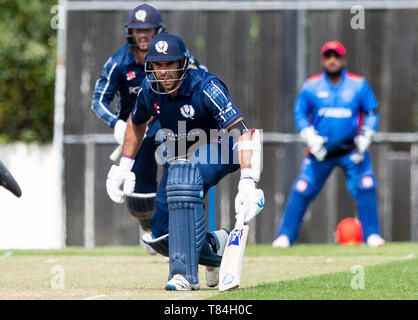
<point>334,46</point>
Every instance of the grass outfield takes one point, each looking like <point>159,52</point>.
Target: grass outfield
<point>322,271</point>
<point>391,281</point>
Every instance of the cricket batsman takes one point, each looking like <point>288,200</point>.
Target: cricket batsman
<point>336,116</point>
<point>122,76</point>
<point>189,104</point>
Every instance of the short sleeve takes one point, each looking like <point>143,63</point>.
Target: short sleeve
<point>367,98</point>
<point>217,102</point>
<point>140,113</point>
<point>302,109</point>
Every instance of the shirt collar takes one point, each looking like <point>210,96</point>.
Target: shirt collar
<point>184,89</point>
<point>130,59</point>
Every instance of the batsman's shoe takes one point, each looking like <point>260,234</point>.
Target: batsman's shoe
<point>281,242</point>
<point>374,240</point>
<point>212,273</point>
<point>179,283</point>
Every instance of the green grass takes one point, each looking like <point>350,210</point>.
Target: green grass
<point>260,250</point>
<point>304,271</point>
<point>332,249</point>
<point>391,281</point>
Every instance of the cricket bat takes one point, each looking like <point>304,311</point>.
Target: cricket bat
<point>117,153</point>
<point>231,264</point>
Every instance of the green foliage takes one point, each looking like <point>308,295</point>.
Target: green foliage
<point>27,70</point>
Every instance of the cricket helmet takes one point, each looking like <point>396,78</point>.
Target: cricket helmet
<point>143,16</point>
<point>166,47</point>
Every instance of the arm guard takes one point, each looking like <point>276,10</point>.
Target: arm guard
<point>255,146</point>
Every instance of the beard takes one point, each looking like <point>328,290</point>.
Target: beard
<point>334,74</point>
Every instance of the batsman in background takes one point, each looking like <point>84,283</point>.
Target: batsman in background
<point>335,114</point>
<point>189,104</point>
<point>122,76</point>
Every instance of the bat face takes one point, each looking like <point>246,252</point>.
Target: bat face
<point>230,271</point>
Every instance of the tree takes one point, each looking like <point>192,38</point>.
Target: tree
<point>27,70</point>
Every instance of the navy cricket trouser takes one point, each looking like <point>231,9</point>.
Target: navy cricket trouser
<point>211,170</point>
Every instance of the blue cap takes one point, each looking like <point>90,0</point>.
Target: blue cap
<point>166,47</point>
<point>144,16</point>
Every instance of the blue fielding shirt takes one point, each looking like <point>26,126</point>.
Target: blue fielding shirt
<point>336,111</point>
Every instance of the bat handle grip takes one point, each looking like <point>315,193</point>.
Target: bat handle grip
<point>117,153</point>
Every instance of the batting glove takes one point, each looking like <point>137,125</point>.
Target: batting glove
<point>362,142</point>
<point>250,197</point>
<point>364,139</point>
<point>120,180</point>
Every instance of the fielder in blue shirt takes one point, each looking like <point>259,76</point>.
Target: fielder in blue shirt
<point>122,76</point>
<point>336,116</point>
<point>194,110</point>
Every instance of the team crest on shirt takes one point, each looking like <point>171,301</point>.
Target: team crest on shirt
<point>187,111</point>
<point>130,75</point>
<point>347,95</point>
<point>141,15</point>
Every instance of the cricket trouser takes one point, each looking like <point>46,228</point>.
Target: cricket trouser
<point>361,183</point>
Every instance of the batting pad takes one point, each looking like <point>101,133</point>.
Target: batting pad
<point>140,206</point>
<point>187,220</point>
<point>159,244</point>
<point>207,256</point>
